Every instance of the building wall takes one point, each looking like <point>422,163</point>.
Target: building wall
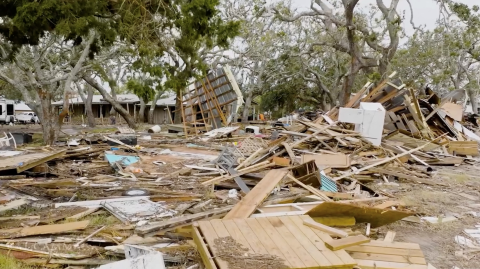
<point>160,115</point>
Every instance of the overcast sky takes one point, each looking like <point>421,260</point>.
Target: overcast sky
<point>425,12</point>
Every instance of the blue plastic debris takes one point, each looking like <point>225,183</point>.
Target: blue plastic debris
<point>328,184</point>
<point>123,160</point>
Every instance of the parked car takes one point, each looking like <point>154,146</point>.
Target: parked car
<point>27,117</point>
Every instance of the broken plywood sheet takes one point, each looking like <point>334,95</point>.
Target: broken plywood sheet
<point>151,261</point>
<point>136,210</point>
<point>410,141</point>
<point>455,111</point>
<point>362,214</point>
<point>44,229</point>
<point>257,195</point>
<point>27,161</point>
<point>338,160</point>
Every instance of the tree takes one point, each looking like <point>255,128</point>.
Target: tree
<point>180,27</point>
<point>39,73</point>
<point>87,101</point>
<point>144,90</point>
<point>349,33</point>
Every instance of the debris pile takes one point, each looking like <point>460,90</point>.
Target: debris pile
<point>304,195</point>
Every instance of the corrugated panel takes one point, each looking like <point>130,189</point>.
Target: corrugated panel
<point>328,184</point>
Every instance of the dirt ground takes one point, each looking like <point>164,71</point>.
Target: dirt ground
<point>438,240</point>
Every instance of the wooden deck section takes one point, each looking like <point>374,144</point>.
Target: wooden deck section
<point>27,161</point>
<point>299,246</point>
<point>388,255</point>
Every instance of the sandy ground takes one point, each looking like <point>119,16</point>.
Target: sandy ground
<point>437,240</point>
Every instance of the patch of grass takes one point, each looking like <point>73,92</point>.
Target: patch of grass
<point>102,130</point>
<point>25,210</point>
<point>12,263</point>
<point>37,140</point>
<point>102,219</point>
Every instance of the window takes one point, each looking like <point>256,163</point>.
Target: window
<point>1,109</point>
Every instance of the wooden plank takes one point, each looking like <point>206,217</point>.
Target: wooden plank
<point>367,264</point>
<point>270,246</point>
<point>318,243</point>
<point>173,223</point>
<point>325,228</point>
<point>49,229</point>
<point>257,195</point>
<point>255,243</point>
<point>305,242</point>
<point>408,177</point>
<point>388,258</point>
<point>236,234</point>
<point>342,254</point>
<point>283,245</point>
<point>463,148</point>
<point>386,160</point>
<point>210,235</point>
<point>302,253</point>
<point>352,102</point>
<point>388,251</point>
<point>83,214</point>
<point>379,243</point>
<point>290,152</point>
<point>339,160</point>
<point>347,242</point>
<point>390,236</point>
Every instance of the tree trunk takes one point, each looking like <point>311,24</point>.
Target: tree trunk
<point>87,101</point>
<point>124,113</point>
<point>88,107</point>
<point>347,88</point>
<point>48,118</point>
<point>114,97</point>
<point>153,106</point>
<point>472,95</point>
<point>178,108</point>
<point>246,107</point>
<point>141,113</point>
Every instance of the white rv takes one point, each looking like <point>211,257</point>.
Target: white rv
<point>7,111</point>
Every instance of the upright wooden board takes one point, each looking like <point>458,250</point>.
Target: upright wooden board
<point>257,195</point>
<point>284,238</point>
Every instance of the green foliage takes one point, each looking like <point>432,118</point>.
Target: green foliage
<point>142,88</point>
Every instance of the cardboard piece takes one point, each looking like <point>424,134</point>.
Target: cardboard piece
<point>328,160</point>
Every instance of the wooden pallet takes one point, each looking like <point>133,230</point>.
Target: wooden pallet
<point>388,255</point>
<point>299,246</point>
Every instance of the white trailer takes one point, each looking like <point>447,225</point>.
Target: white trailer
<point>7,111</point>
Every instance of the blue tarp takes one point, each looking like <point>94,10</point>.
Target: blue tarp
<point>124,160</point>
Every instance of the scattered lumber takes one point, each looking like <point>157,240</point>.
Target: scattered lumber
<point>257,195</point>
<point>329,230</point>
<point>347,242</point>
